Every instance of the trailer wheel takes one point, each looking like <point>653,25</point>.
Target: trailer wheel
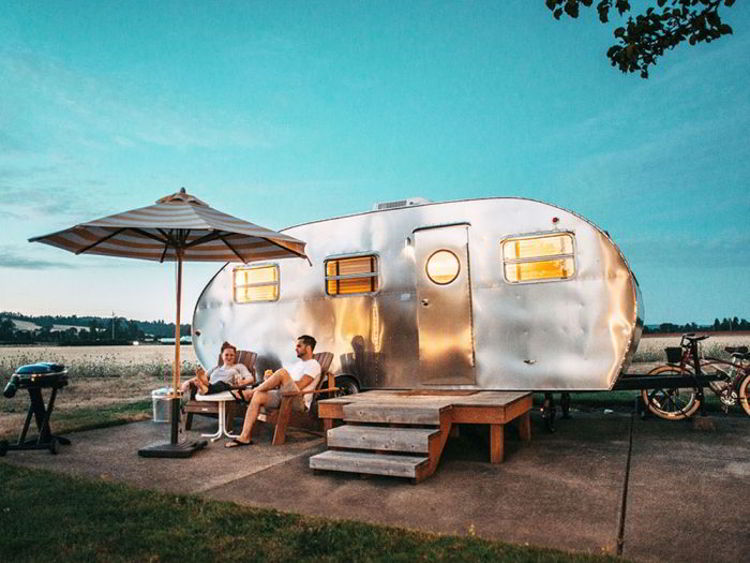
<point>671,403</point>
<point>347,386</point>
<point>744,393</point>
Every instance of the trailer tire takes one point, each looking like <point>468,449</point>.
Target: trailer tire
<point>671,403</point>
<point>744,394</point>
<point>347,385</point>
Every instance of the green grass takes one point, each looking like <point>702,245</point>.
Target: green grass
<point>46,516</point>
<point>88,418</point>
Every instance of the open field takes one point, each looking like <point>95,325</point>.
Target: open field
<point>117,376</point>
<point>651,348</point>
<point>99,376</point>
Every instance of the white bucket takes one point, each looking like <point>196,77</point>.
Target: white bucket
<point>160,401</point>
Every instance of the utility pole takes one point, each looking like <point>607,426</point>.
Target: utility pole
<point>113,326</point>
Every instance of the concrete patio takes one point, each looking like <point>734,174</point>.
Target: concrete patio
<point>685,497</point>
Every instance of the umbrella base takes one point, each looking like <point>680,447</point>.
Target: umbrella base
<point>167,450</point>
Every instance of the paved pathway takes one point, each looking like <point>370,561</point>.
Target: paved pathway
<point>686,496</point>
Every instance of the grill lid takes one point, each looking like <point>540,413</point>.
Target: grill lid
<point>41,368</point>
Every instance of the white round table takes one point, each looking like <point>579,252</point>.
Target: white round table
<point>221,399</point>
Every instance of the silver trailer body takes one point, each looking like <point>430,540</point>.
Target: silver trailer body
<point>477,327</point>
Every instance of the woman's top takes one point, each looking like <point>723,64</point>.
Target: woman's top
<point>228,374</point>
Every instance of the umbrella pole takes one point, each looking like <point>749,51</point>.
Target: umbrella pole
<point>174,449</point>
<point>175,402</point>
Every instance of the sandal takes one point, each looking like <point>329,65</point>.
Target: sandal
<point>238,396</point>
<point>235,443</point>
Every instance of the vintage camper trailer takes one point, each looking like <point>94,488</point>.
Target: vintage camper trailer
<point>496,293</point>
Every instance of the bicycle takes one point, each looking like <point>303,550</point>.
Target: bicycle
<point>730,381</point>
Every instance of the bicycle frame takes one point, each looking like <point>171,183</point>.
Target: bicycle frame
<point>691,357</point>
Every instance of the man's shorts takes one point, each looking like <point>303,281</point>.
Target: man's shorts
<point>274,397</point>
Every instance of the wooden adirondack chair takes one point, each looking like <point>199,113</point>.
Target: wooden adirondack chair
<point>285,416</point>
<point>211,408</point>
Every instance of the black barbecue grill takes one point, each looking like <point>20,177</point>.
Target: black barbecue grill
<point>34,378</point>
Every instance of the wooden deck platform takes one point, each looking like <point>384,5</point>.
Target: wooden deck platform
<point>386,424</point>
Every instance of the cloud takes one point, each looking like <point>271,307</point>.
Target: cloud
<point>661,134</point>
<point>688,251</point>
<point>36,257</point>
<point>12,259</point>
<point>82,108</point>
<point>38,195</point>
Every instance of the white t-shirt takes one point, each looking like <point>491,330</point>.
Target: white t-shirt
<point>301,368</point>
<point>229,374</point>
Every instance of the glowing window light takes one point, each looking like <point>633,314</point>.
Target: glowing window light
<point>545,270</point>
<point>443,267</point>
<point>352,275</point>
<point>255,283</point>
<point>555,245</point>
<point>540,258</point>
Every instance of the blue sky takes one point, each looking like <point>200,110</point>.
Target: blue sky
<point>287,112</point>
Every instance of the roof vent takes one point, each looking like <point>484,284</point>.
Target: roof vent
<point>409,202</point>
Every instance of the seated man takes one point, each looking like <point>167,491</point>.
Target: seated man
<point>292,378</point>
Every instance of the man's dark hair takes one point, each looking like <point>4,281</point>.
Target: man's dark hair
<point>308,340</point>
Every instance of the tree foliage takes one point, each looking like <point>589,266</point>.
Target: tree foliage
<point>725,325</point>
<point>647,36</point>
<point>93,329</point>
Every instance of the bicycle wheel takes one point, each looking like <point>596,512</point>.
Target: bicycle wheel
<point>671,403</point>
<point>744,393</point>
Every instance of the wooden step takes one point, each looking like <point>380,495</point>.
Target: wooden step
<point>390,413</point>
<point>412,440</point>
<point>370,463</point>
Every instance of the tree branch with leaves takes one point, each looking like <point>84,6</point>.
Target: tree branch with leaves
<point>647,36</point>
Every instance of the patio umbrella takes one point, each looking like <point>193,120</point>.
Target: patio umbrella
<point>177,228</point>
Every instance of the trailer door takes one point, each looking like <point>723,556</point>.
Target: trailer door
<point>444,316</point>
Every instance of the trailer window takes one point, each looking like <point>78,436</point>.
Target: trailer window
<point>442,267</point>
<point>255,283</point>
<point>545,257</point>
<point>350,275</point>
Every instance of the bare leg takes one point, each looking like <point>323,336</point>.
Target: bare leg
<point>202,387</point>
<point>278,379</point>
<point>259,397</point>
<point>201,381</point>
<point>185,387</point>
<point>257,401</point>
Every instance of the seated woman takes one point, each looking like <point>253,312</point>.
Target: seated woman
<point>223,377</point>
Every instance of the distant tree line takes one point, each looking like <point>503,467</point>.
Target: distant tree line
<point>82,330</point>
<point>724,325</point>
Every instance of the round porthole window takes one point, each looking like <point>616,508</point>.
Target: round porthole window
<point>443,267</point>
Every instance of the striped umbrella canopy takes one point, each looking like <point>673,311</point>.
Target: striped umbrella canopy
<point>176,228</point>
